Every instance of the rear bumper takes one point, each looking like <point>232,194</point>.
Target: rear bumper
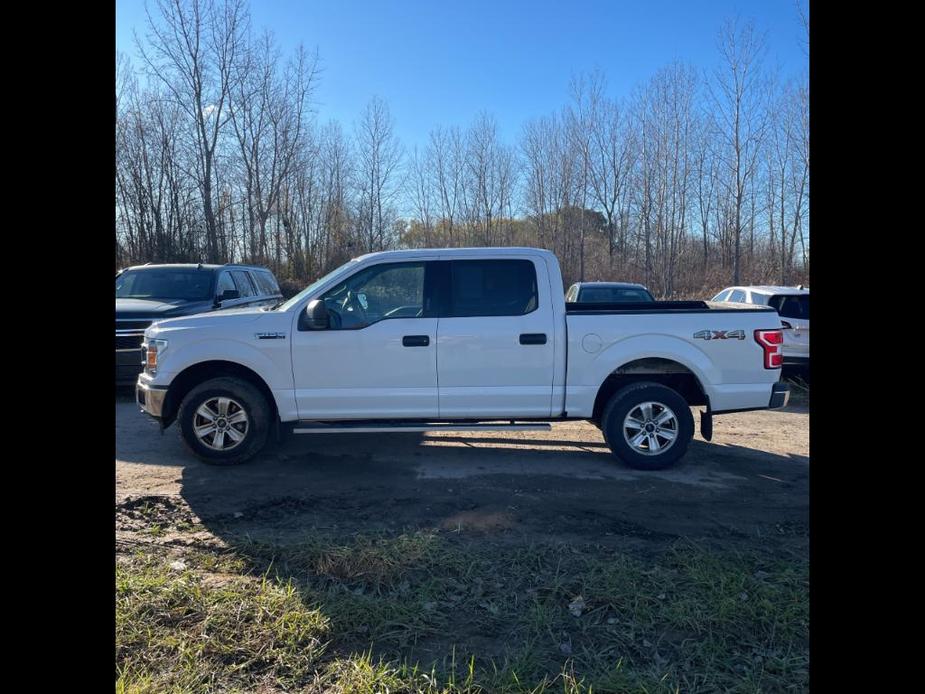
<point>150,398</point>
<point>780,396</point>
<point>795,361</point>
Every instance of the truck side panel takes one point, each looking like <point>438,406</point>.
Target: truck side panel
<point>730,371</point>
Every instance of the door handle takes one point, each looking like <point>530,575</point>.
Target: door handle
<point>533,338</point>
<point>416,340</point>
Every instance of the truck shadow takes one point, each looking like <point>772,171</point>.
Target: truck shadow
<point>554,489</point>
<point>353,520</point>
<point>542,486</point>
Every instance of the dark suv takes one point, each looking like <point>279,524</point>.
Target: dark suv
<point>146,293</point>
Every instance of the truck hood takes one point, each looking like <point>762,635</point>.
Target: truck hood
<point>218,321</point>
<point>156,309</point>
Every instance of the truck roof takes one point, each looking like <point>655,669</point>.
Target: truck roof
<point>461,252</point>
<point>618,285</point>
<point>194,266</point>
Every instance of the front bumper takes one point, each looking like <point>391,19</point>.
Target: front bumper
<point>128,366</point>
<point>780,396</point>
<point>150,398</point>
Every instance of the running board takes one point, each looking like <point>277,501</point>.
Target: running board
<point>364,428</point>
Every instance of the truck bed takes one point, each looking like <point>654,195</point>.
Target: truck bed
<point>715,343</point>
<point>659,307</point>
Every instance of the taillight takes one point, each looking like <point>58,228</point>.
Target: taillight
<point>772,342</point>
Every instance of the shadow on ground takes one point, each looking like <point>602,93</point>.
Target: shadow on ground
<point>417,546</point>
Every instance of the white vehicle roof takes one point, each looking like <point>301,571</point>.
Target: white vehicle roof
<point>768,289</point>
<point>461,252</point>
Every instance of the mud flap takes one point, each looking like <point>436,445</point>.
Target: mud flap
<point>706,425</point>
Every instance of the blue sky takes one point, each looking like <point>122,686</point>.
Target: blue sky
<point>441,62</point>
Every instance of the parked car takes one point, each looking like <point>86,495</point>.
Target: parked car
<point>607,293</point>
<point>145,293</point>
<point>457,339</point>
<point>791,303</point>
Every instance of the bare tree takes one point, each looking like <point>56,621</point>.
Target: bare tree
<point>379,156</point>
<point>267,110</point>
<point>191,48</point>
<point>705,175</point>
<point>739,100</point>
<point>789,175</point>
<point>445,154</point>
<point>611,158</point>
<point>421,179</point>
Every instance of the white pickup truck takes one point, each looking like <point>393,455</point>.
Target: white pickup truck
<point>457,339</point>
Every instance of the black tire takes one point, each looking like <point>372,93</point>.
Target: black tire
<point>623,402</point>
<point>251,401</point>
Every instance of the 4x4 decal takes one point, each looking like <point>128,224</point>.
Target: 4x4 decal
<point>719,335</point>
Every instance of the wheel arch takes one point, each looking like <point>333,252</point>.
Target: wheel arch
<point>195,374</point>
<point>663,371</point>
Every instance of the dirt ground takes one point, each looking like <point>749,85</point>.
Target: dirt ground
<point>749,486</point>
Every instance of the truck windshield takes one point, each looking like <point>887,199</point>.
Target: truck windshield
<point>613,295</point>
<point>791,305</point>
<point>164,283</point>
<point>310,288</point>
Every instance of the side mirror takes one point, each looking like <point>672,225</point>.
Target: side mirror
<point>315,316</point>
<point>228,294</point>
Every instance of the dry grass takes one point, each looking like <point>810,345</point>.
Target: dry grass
<point>428,612</point>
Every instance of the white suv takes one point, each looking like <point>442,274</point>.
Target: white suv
<point>791,303</point>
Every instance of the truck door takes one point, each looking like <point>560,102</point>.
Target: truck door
<point>378,358</point>
<point>495,339</point>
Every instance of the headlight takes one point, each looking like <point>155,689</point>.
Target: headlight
<point>154,348</point>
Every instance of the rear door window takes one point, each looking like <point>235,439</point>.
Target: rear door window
<point>243,281</point>
<point>492,288</point>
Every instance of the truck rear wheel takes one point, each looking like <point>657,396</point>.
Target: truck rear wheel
<point>648,426</point>
<point>224,421</point>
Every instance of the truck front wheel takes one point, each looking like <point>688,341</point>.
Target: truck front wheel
<point>648,426</point>
<point>224,421</point>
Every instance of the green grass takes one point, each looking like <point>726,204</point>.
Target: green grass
<point>433,612</point>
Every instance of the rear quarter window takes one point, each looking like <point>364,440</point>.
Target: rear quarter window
<point>266,283</point>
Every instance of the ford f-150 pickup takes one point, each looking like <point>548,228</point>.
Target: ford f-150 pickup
<point>458,339</point>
